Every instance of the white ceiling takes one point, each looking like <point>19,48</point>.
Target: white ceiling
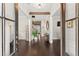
<point>53,8</point>
<point>33,7</point>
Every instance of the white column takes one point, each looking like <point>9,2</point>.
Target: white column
<point>30,30</point>
<point>50,30</point>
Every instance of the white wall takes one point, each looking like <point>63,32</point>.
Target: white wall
<point>23,23</point>
<point>56,29</point>
<point>55,14</point>
<point>70,32</point>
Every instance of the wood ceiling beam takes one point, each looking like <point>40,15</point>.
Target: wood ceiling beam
<point>39,13</point>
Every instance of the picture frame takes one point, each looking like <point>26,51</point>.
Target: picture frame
<point>70,24</point>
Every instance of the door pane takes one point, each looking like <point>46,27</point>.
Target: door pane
<point>70,11</point>
<point>9,37</point>
<point>0,37</point>
<point>71,38</point>
<point>9,11</point>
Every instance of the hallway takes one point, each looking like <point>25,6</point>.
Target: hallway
<point>38,49</point>
<point>34,28</point>
<point>40,29</point>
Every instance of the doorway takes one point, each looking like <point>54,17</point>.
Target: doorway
<point>36,30</point>
<point>46,25</point>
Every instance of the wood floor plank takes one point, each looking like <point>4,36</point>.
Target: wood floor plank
<point>38,49</point>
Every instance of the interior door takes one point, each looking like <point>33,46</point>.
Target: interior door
<point>71,30</point>
<point>9,29</point>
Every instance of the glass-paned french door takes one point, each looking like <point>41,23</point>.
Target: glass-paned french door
<point>7,29</point>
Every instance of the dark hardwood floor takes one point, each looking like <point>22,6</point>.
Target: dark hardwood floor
<point>39,48</point>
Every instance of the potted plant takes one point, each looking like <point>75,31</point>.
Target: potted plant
<point>34,35</point>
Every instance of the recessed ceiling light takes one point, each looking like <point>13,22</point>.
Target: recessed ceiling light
<point>38,5</point>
